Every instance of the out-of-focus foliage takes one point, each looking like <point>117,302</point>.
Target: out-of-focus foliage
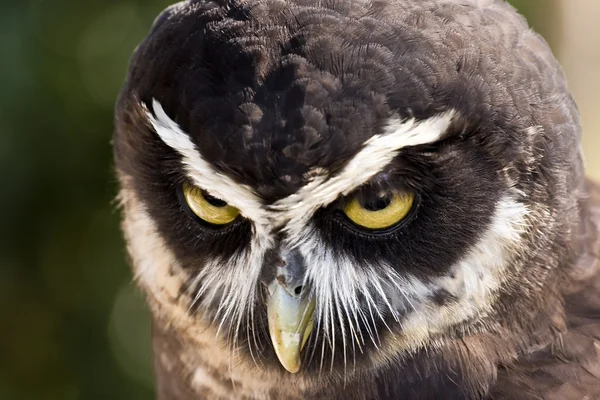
<point>73,326</point>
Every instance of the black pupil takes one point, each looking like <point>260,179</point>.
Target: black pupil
<point>376,204</point>
<point>213,200</point>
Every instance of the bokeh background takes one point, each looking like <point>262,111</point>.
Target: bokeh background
<point>72,325</point>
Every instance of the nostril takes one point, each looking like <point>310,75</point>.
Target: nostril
<point>298,290</point>
<point>279,262</point>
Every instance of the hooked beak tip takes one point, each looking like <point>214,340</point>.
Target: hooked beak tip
<point>290,324</point>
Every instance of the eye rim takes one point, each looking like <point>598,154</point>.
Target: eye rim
<point>341,217</point>
<point>181,194</point>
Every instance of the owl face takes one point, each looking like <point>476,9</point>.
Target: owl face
<point>322,206</point>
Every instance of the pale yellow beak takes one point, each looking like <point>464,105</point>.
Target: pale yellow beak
<point>290,324</point>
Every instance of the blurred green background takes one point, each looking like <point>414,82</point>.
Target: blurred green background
<point>73,326</point>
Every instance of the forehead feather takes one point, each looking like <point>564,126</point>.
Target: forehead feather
<point>268,90</point>
<point>323,187</point>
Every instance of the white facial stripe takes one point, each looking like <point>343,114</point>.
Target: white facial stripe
<point>376,154</point>
<point>294,211</point>
<point>201,172</point>
<point>474,281</point>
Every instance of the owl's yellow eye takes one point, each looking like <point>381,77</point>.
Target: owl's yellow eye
<point>382,213</point>
<point>208,208</point>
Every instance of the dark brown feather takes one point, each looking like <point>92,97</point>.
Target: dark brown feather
<point>541,340</point>
<point>569,367</point>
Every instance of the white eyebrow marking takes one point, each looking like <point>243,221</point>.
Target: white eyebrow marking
<point>376,154</point>
<point>294,211</point>
<point>200,171</point>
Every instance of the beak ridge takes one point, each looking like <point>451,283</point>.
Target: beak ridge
<point>290,324</point>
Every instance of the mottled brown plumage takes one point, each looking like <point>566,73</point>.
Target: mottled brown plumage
<point>569,366</point>
<point>488,289</point>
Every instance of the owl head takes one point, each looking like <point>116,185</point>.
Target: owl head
<point>337,185</point>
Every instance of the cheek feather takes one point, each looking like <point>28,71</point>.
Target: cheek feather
<point>159,274</point>
<point>155,266</point>
<point>473,282</point>
<point>418,312</point>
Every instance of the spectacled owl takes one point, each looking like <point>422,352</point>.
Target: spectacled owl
<point>359,199</point>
